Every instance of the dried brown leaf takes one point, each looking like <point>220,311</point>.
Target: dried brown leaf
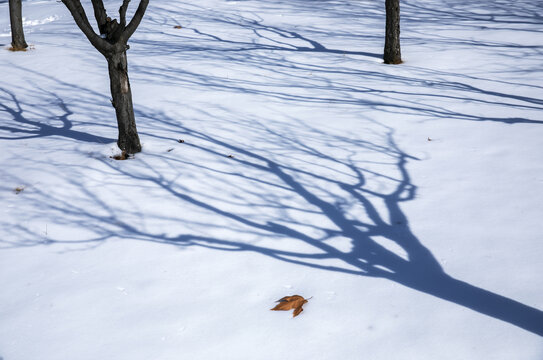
<point>291,302</point>
<point>122,156</point>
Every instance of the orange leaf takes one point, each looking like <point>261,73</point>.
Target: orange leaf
<point>291,302</point>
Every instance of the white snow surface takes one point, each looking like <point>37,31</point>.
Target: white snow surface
<point>406,200</point>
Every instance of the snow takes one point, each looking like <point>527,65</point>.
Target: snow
<point>350,181</point>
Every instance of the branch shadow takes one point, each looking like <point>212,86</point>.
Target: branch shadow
<point>310,197</point>
<point>276,72</point>
<point>23,124</point>
<point>259,35</point>
<point>477,14</point>
<point>296,192</point>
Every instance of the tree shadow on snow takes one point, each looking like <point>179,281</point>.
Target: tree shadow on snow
<point>267,195</point>
<point>289,189</point>
<point>270,52</point>
<point>22,121</point>
<point>258,34</point>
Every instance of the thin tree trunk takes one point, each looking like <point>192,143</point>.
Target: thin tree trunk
<point>128,140</point>
<point>112,43</point>
<point>18,42</point>
<point>392,54</point>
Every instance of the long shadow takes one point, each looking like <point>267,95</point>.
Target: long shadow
<point>397,91</point>
<point>420,270</point>
<point>282,43</point>
<point>272,38</point>
<point>478,15</point>
<point>35,129</point>
<point>336,92</point>
<point>414,266</point>
<point>327,188</point>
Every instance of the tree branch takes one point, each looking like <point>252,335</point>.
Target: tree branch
<point>134,23</point>
<point>100,15</point>
<point>122,12</point>
<point>78,13</point>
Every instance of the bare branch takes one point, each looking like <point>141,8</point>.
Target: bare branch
<point>78,13</point>
<point>122,12</point>
<point>100,15</point>
<point>134,23</point>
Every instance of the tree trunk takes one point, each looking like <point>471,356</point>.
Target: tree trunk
<point>18,42</point>
<point>122,102</point>
<point>392,53</point>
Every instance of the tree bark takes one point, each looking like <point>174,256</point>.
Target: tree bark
<point>121,94</point>
<point>392,53</point>
<point>112,43</point>
<point>18,42</point>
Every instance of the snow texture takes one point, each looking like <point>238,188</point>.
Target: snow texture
<point>406,200</point>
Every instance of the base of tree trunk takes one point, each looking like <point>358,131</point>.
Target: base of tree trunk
<point>130,145</point>
<point>17,48</point>
<point>18,42</point>
<point>394,62</point>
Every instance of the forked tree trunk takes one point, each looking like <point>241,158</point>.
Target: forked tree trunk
<point>112,43</point>
<point>392,54</point>
<point>18,42</point>
<point>122,102</point>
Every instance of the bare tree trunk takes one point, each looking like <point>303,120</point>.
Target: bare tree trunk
<point>18,42</point>
<point>392,54</point>
<point>122,102</point>
<point>112,43</point>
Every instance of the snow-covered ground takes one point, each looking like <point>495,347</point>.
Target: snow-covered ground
<point>406,200</point>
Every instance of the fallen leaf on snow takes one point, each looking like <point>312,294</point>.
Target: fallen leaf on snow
<point>122,156</point>
<point>291,302</point>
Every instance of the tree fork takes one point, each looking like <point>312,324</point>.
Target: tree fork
<point>112,43</point>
